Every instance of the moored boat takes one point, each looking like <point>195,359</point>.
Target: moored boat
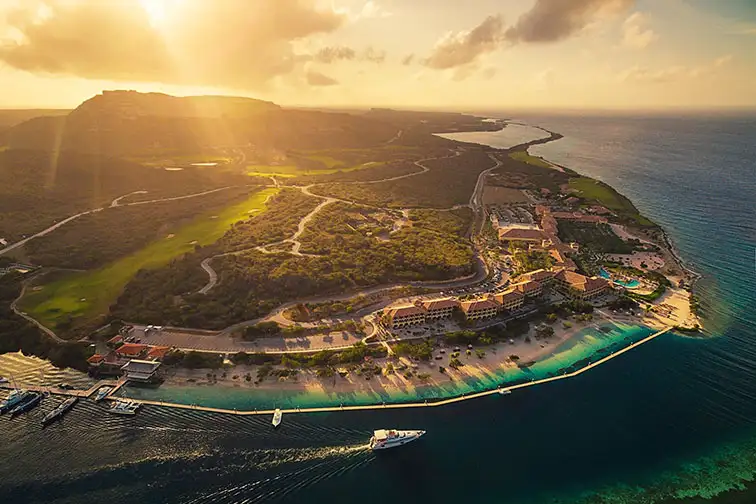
<point>128,408</point>
<point>102,393</point>
<point>277,416</point>
<point>3,380</point>
<point>14,398</point>
<point>28,403</point>
<point>390,438</point>
<point>60,410</point>
<point>505,391</point>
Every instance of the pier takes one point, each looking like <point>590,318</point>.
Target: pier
<point>443,402</point>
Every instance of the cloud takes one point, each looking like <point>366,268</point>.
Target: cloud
<point>674,72</point>
<point>373,56</point>
<point>318,79</point>
<point>234,43</point>
<point>407,60</point>
<point>634,32</point>
<point>331,54</point>
<point>489,73</point>
<point>373,10</point>
<point>554,20</point>
<point>462,48</point>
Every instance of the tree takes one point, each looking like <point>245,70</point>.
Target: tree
<point>455,363</point>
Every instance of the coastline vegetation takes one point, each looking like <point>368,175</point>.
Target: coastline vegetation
<point>526,157</point>
<point>588,188</point>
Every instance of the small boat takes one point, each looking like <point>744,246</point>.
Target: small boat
<point>128,408</point>
<point>14,398</point>
<point>390,438</point>
<point>277,415</point>
<point>102,393</point>
<point>505,391</point>
<point>3,380</point>
<point>60,410</point>
<point>30,402</point>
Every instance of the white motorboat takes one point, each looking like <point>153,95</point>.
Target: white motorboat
<point>505,391</point>
<point>277,415</point>
<point>129,408</point>
<point>102,393</point>
<point>391,438</point>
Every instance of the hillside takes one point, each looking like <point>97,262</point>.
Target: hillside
<point>127,123</point>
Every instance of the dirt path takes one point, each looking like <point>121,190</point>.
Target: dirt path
<point>113,204</point>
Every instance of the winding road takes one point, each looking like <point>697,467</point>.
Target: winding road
<point>115,203</point>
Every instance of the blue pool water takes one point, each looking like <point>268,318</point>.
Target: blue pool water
<point>630,285</point>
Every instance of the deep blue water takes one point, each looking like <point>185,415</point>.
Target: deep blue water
<point>674,418</point>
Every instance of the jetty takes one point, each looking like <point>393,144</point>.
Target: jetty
<point>425,404</point>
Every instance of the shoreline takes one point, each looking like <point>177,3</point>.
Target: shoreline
<point>569,372</point>
<point>569,350</point>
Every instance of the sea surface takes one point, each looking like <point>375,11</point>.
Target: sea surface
<point>671,421</point>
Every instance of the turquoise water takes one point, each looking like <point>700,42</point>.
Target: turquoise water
<point>632,284</point>
<point>673,420</point>
<point>589,345</point>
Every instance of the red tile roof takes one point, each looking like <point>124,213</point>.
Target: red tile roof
<point>508,295</point>
<point>405,311</point>
<point>581,282</point>
<point>115,339</point>
<point>96,359</point>
<point>158,352</point>
<point>131,349</point>
<point>478,305</point>
<point>440,304</point>
<point>521,234</point>
<point>527,286</point>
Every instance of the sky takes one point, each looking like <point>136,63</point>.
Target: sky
<point>446,54</point>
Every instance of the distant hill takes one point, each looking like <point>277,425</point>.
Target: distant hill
<point>12,117</point>
<point>128,123</point>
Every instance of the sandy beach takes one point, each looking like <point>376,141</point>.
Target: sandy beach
<point>483,363</point>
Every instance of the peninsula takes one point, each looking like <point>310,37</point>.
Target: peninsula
<point>385,266</point>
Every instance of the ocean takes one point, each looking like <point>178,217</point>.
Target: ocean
<point>674,419</point>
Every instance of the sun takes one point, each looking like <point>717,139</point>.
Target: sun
<point>156,10</point>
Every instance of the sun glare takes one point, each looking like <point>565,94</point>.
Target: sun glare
<point>157,10</point>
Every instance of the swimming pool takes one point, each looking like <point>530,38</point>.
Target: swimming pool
<point>632,284</point>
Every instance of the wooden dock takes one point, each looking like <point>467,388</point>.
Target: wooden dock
<point>426,404</point>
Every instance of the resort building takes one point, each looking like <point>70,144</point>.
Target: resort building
<point>439,308</point>
<point>132,351</point>
<point>479,309</point>
<point>529,288</point>
<point>542,276</point>
<point>522,235</point>
<point>580,287</point>
<point>141,371</point>
<point>510,299</point>
<point>403,316</point>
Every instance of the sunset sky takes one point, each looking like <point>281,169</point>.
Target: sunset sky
<point>454,54</point>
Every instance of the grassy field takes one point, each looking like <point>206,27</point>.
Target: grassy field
<point>89,294</point>
<point>608,197</point>
<point>525,157</point>
<point>294,171</point>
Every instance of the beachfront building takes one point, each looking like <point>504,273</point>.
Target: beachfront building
<point>141,371</point>
<point>529,288</point>
<point>580,287</point>
<point>132,351</point>
<point>510,299</point>
<point>403,316</point>
<point>436,309</point>
<point>479,309</point>
<point>525,236</point>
